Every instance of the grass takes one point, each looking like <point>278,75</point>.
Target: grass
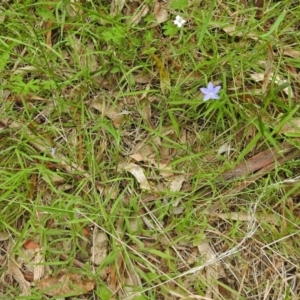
<point>110,176</point>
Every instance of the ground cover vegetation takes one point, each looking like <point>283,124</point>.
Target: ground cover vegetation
<point>149,149</point>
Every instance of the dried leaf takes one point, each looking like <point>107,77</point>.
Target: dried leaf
<point>53,178</point>
<point>14,270</point>
<point>73,8</point>
<point>99,249</point>
<point>132,283</point>
<point>268,69</point>
<point>233,31</point>
<point>278,80</point>
<point>143,152</point>
<point>213,271</point>
<point>146,153</point>
<point>147,222</point>
<point>291,52</point>
<point>48,34</point>
<point>142,78</point>
<point>139,175</point>
<point>165,84</point>
<point>291,128</point>
<point>165,171</point>
<point>2,16</point>
<point>225,148</point>
<point>246,217</point>
<point>112,113</point>
<point>4,236</point>
<point>139,14</point>
<point>145,111</point>
<point>116,7</point>
<point>66,285</point>
<point>160,13</point>
<point>25,69</point>
<point>116,271</point>
<point>176,182</point>
<point>31,245</point>
<point>39,267</point>
<point>178,210</point>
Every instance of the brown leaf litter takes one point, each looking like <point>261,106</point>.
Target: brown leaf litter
<point>66,284</point>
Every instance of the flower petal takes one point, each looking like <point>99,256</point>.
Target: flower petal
<point>210,87</point>
<point>207,97</point>
<point>179,21</point>
<point>214,96</point>
<point>204,90</point>
<point>217,89</point>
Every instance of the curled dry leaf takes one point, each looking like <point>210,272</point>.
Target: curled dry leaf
<point>160,13</point>
<point>26,69</point>
<point>116,7</point>
<point>138,174</point>
<point>139,14</point>
<point>66,284</point>
<point>73,8</point>
<point>100,248</point>
<point>14,270</point>
<point>112,113</point>
<point>146,153</point>
<point>176,182</point>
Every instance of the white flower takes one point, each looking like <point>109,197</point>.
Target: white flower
<point>179,21</point>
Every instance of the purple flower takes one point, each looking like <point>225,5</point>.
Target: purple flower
<point>211,92</point>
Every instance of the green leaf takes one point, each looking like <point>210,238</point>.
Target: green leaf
<point>4,60</point>
<point>170,29</point>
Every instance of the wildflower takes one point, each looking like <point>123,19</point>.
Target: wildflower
<point>211,92</point>
<point>179,21</point>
